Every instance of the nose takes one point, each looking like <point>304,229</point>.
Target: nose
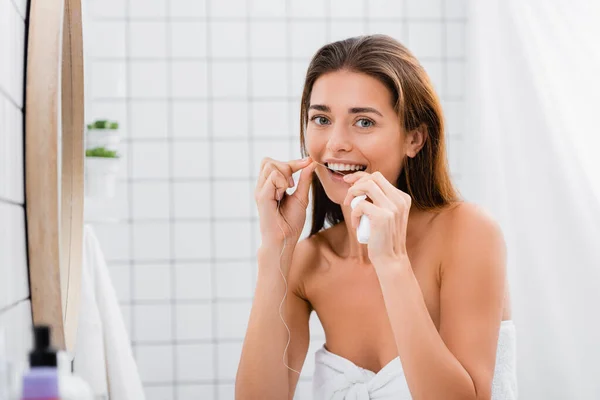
<point>339,140</point>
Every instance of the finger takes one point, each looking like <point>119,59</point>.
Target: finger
<point>286,168</point>
<point>274,186</point>
<point>371,210</point>
<point>391,191</point>
<point>304,182</point>
<point>379,218</point>
<point>280,183</point>
<point>263,172</point>
<point>355,176</point>
<point>373,191</point>
<point>296,165</point>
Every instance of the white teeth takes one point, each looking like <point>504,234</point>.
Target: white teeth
<point>345,167</point>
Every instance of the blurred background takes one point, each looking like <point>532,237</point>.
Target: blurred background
<point>202,90</point>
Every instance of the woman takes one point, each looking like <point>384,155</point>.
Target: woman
<point>421,310</point>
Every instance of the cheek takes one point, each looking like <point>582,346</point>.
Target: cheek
<point>314,145</point>
<point>386,157</point>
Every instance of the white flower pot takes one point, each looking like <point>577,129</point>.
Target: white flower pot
<point>101,176</point>
<point>107,138</point>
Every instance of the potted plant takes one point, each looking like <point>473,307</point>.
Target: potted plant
<point>101,168</point>
<point>102,133</point>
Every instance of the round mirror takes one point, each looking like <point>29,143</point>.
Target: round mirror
<point>54,155</point>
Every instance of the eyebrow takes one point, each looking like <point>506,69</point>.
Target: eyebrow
<point>353,110</point>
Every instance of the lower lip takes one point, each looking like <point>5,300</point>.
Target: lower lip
<point>335,176</point>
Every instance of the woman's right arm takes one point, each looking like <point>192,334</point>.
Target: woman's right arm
<point>262,373</point>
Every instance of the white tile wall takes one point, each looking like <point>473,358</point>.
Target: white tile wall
<point>181,46</point>
<point>15,307</point>
<point>153,363</point>
<point>226,127</point>
<point>190,119</point>
<point>347,9</point>
<point>148,79</point>
<point>188,79</point>
<point>12,39</point>
<point>153,323</point>
<point>193,281</point>
<point>148,39</point>
<point>192,240</point>
<point>107,39</point>
<point>191,200</point>
<point>204,90</point>
<point>195,362</point>
<point>152,282</point>
<point>11,152</point>
<point>193,322</point>
<point>266,8</point>
<point>232,319</point>
<point>149,119</point>
<point>16,325</point>
<point>268,39</point>
<point>187,8</point>
<point>386,9</point>
<point>108,79</point>
<point>13,255</point>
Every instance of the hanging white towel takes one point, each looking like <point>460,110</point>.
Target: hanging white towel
<point>337,378</point>
<point>103,355</point>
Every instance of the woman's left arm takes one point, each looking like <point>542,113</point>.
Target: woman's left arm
<point>458,361</point>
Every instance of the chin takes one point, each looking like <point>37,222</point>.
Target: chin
<point>334,193</point>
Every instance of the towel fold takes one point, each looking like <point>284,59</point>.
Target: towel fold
<point>103,354</point>
<point>337,378</point>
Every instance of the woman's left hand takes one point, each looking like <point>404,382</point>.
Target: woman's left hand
<point>388,215</point>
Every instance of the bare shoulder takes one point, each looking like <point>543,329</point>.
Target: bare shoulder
<point>472,238</point>
<point>469,223</point>
<point>304,261</point>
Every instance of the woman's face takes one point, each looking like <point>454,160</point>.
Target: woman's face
<point>351,121</point>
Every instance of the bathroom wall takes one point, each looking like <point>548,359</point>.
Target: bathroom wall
<point>15,308</point>
<point>203,91</point>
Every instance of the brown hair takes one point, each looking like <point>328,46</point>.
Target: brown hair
<point>426,177</point>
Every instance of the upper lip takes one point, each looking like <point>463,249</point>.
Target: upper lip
<point>338,161</point>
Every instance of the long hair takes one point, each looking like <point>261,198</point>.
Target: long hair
<point>426,177</point>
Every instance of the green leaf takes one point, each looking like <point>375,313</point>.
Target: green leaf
<point>101,152</point>
<point>114,125</point>
<point>100,124</point>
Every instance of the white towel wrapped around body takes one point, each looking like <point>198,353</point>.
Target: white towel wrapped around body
<point>336,378</point>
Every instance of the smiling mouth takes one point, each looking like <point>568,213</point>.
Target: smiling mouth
<point>345,171</point>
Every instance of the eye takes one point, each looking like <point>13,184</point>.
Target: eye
<point>365,123</point>
<point>320,120</point>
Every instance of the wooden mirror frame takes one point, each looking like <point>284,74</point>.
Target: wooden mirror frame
<point>55,206</point>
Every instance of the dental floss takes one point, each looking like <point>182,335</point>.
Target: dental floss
<point>286,285</point>
<point>362,233</point>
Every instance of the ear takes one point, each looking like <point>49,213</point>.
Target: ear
<point>415,140</point>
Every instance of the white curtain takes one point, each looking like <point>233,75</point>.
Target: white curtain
<point>532,157</point>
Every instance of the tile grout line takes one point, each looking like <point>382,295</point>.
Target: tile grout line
<point>233,59</point>
<point>211,170</point>
<point>251,154</point>
<point>128,106</point>
<point>171,187</point>
<point>278,19</point>
<point>266,99</point>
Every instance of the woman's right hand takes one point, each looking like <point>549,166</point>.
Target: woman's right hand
<point>273,180</point>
